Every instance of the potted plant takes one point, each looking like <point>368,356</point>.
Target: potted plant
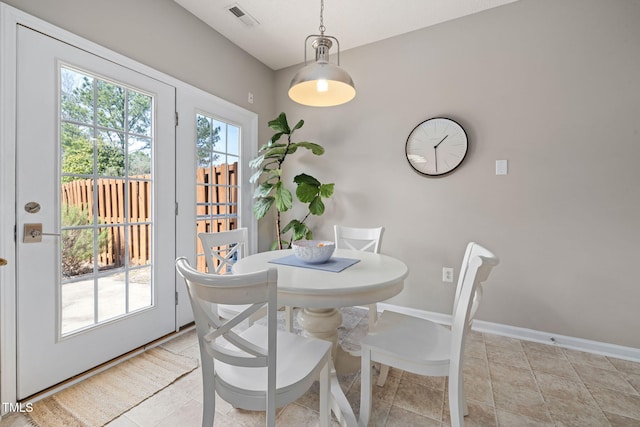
<point>273,191</point>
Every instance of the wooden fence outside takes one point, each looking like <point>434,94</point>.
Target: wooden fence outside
<point>216,198</point>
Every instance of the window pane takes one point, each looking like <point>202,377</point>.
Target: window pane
<point>77,250</point>
<point>110,105</point>
<point>76,150</point>
<point>77,305</point>
<point>76,96</point>
<point>112,296</point>
<point>140,288</point>
<point>139,156</point>
<point>110,153</point>
<point>139,113</point>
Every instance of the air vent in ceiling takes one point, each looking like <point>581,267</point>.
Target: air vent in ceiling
<point>242,15</point>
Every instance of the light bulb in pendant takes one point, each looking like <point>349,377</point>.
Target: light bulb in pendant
<point>322,85</point>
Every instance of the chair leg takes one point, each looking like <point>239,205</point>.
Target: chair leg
<point>457,403</point>
<point>372,314</point>
<point>208,390</point>
<point>288,318</point>
<point>384,372</point>
<point>325,409</point>
<point>365,387</point>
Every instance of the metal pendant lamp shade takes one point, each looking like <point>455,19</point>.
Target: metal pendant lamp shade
<point>322,84</point>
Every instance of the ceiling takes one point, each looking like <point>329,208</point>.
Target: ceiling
<point>280,27</point>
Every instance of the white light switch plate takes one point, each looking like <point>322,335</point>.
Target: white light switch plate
<point>502,167</point>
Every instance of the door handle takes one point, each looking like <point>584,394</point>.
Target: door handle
<point>33,233</point>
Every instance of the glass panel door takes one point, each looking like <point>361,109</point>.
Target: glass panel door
<point>216,141</point>
<point>95,151</point>
<point>216,178</point>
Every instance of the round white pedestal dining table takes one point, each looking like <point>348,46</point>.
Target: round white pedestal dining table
<point>373,278</point>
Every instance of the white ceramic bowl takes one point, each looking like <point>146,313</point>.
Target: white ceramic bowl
<point>313,251</point>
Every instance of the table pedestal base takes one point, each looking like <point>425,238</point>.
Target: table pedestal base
<point>323,323</point>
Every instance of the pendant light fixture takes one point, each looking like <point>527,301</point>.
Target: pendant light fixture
<point>322,84</point>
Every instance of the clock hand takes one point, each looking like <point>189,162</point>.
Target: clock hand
<point>435,155</point>
<point>435,149</point>
<point>445,137</point>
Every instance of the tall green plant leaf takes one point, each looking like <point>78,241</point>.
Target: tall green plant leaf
<point>280,124</point>
<point>284,199</point>
<point>262,205</point>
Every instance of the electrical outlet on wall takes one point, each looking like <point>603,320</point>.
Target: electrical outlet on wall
<point>447,274</point>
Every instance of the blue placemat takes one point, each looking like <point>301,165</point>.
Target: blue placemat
<point>334,264</point>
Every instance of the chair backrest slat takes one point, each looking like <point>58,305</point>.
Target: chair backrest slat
<point>359,239</point>
<point>225,247</point>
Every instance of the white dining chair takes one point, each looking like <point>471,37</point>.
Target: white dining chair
<point>258,368</point>
<point>221,250</point>
<point>426,348</point>
<point>360,239</point>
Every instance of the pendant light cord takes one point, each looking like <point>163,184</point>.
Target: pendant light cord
<point>322,28</point>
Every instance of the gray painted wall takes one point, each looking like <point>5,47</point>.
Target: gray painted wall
<point>553,86</point>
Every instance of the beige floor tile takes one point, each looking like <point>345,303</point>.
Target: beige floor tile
<point>479,415</point>
<point>570,413</point>
<point>311,399</point>
<point>399,417</point>
<point>616,402</point>
<point>501,341</point>
<point>515,390</point>
<point>554,387</point>
<point>583,358</point>
<point>552,364</point>
<point>122,421</point>
<point>379,414</point>
<point>386,393</point>
<point>604,378</point>
<point>510,419</point>
<point>632,379</point>
<point>507,355</point>
<point>425,380</point>
<point>477,381</point>
<point>625,365</point>
<point>187,415</point>
<point>419,399</point>
<point>549,350</point>
<point>620,420</point>
<point>191,385</point>
<point>475,348</point>
<point>296,415</point>
<point>157,407</point>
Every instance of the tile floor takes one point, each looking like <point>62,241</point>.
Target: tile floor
<point>508,383</point>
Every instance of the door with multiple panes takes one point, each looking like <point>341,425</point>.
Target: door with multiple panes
<point>214,139</point>
<point>101,212</point>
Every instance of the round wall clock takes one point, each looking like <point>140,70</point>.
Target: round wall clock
<point>436,146</point>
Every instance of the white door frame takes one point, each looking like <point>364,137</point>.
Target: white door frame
<point>10,17</point>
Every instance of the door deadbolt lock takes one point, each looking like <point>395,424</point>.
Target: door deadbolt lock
<point>33,233</point>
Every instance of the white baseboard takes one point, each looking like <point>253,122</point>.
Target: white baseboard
<point>580,344</point>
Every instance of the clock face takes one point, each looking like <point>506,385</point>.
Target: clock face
<point>436,146</point>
